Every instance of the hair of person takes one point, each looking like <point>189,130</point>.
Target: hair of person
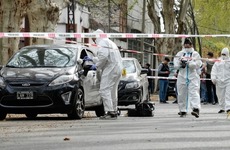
<point>167,59</point>
<point>187,41</point>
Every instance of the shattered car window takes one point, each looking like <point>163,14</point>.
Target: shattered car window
<point>41,57</point>
<point>129,66</point>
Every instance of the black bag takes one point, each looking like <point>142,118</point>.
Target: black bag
<point>144,109</point>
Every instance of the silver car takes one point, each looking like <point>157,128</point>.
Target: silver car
<point>133,86</point>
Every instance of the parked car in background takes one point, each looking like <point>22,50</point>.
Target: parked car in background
<point>172,82</point>
<point>42,79</point>
<point>133,86</point>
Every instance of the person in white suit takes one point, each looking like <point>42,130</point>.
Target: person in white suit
<point>109,61</point>
<point>220,76</point>
<point>188,80</point>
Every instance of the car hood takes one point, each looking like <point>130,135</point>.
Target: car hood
<point>35,73</point>
<point>130,77</point>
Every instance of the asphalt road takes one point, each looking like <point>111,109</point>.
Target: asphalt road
<point>165,131</point>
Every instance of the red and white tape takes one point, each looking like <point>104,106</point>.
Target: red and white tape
<point>169,78</point>
<point>62,36</point>
<point>103,35</point>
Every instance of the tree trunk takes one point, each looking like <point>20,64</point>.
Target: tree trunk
<point>157,26</point>
<point>169,24</point>
<point>168,45</point>
<point>42,14</point>
<point>163,45</point>
<point>43,17</point>
<point>181,20</point>
<point>11,16</point>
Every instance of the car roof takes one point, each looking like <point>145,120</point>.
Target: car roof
<point>56,46</point>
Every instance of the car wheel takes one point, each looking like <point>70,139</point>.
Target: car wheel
<point>2,115</point>
<point>99,110</point>
<point>31,115</point>
<point>79,107</point>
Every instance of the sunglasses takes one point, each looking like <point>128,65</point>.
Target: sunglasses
<point>223,54</point>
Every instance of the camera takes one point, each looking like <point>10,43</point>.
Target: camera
<point>183,63</point>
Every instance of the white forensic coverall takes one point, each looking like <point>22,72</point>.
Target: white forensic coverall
<point>220,76</point>
<point>188,79</point>
<point>109,61</point>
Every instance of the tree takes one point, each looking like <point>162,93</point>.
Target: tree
<point>174,22</point>
<point>42,16</point>
<point>11,16</point>
<point>213,20</point>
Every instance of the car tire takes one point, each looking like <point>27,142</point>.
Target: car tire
<point>79,107</point>
<point>3,115</point>
<point>99,110</point>
<point>31,115</point>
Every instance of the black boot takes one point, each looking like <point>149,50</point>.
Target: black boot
<point>221,111</point>
<point>182,114</point>
<point>110,115</point>
<point>195,112</point>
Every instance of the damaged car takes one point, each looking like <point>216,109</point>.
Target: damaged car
<point>44,79</point>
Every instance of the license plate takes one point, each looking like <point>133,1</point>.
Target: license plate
<point>25,95</point>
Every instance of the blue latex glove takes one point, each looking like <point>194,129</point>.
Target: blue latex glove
<point>87,58</point>
<point>93,67</point>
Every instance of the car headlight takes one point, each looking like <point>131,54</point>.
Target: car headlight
<point>130,85</point>
<point>61,80</point>
<point>2,83</point>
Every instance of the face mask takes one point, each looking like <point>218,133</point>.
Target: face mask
<point>224,57</point>
<point>188,49</point>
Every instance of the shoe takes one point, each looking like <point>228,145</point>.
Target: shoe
<point>109,116</point>
<point>182,114</point>
<point>221,111</point>
<point>175,102</point>
<point>214,103</point>
<point>164,102</point>
<point>205,103</point>
<point>195,112</point>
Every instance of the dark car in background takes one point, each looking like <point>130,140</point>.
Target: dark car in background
<point>43,79</point>
<point>133,86</point>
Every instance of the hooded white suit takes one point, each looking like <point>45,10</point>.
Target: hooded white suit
<point>188,79</point>
<point>220,76</point>
<point>110,63</point>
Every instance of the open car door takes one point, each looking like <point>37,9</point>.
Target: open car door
<point>91,82</point>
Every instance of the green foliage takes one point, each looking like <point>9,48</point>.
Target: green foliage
<point>133,4</point>
<point>212,17</point>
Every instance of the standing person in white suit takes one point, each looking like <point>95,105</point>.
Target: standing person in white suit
<point>220,76</point>
<point>188,80</point>
<point>109,61</point>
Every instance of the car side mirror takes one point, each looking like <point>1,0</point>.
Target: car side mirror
<point>144,71</point>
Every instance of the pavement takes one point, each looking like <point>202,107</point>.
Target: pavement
<point>155,97</point>
<point>164,131</point>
